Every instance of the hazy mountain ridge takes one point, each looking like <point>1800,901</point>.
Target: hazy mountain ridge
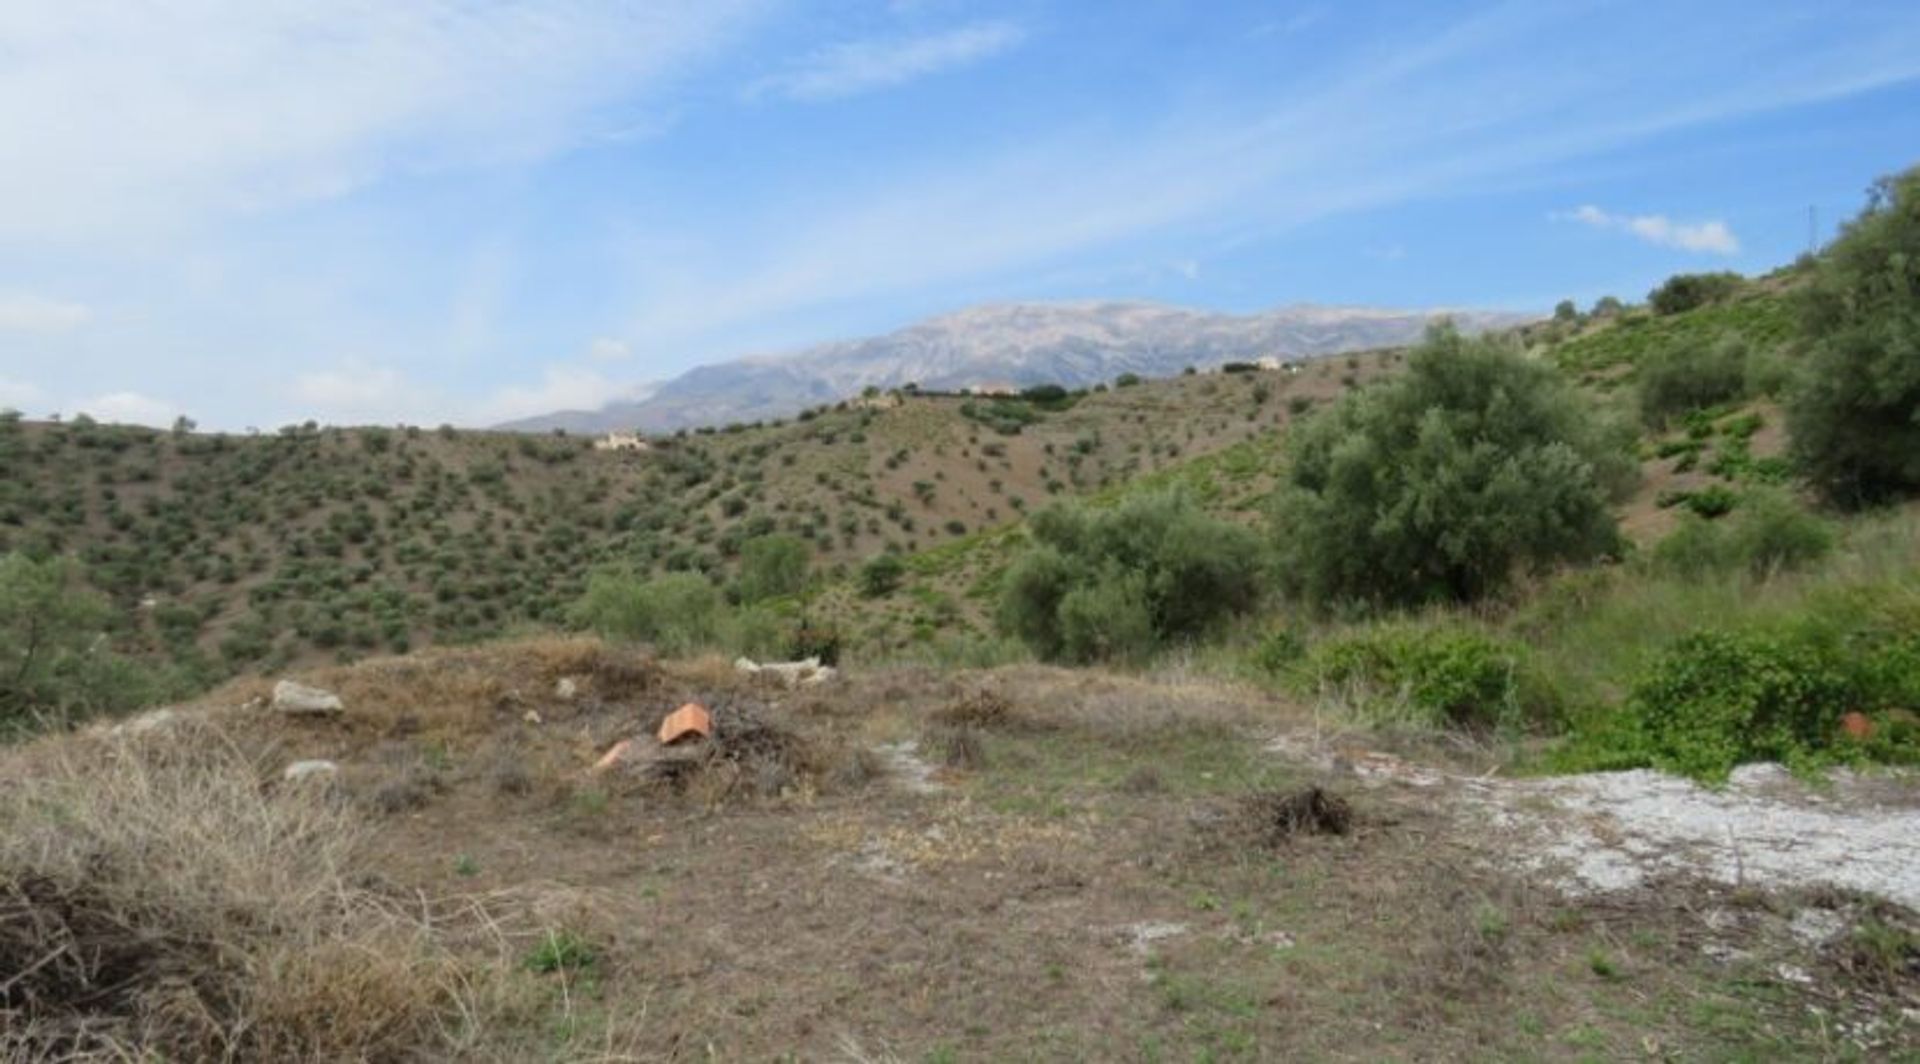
<point>1076,344</point>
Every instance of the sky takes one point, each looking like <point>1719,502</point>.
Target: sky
<point>256,212</point>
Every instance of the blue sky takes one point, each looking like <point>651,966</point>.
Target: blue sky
<point>261,211</point>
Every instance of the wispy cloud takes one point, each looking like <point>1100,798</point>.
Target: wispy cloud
<point>359,393</point>
<point>38,314</point>
<point>122,114</point>
<point>1710,237</point>
<point>863,66</point>
<point>1501,98</point>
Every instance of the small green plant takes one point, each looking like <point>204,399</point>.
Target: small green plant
<point>560,951</point>
<point>465,866</point>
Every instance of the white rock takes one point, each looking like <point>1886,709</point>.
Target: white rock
<point>791,673</point>
<point>566,688</point>
<point>1817,927</point>
<point>316,769</point>
<point>291,697</point>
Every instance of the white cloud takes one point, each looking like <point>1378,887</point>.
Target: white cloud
<point>607,349</point>
<point>357,393</point>
<point>560,388</point>
<point>862,66</point>
<point>118,114</point>
<point>1711,237</point>
<point>37,314</point>
<point>129,408</point>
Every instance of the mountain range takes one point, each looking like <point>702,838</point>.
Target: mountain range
<point>1076,344</point>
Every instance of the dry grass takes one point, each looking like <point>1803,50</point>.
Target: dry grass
<point>157,896</point>
<point>167,897</point>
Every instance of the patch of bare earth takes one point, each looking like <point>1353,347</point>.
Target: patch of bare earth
<point>1026,863</point>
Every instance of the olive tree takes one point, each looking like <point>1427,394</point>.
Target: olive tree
<point>1442,483</point>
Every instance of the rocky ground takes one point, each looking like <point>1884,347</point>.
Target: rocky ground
<point>1035,863</point>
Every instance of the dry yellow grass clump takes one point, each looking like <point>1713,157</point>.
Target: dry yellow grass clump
<point>157,896</point>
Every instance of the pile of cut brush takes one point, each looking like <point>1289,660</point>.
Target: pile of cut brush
<point>1274,817</point>
<point>745,750</point>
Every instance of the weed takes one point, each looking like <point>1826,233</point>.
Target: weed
<point>560,951</point>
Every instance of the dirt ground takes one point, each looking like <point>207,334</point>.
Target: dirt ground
<point>1074,874</point>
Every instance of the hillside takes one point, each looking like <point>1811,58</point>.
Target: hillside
<point>238,552</point>
<point>252,552</point>
<point>1077,345</point>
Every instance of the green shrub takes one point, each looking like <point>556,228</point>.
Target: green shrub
<point>1854,415</point>
<point>55,665</point>
<point>881,575</point>
<point>1445,675</point>
<point>1774,533</point>
<point>1118,582</point>
<point>1717,700</point>
<point>772,567</point>
<point>1716,500</point>
<point>1679,379</point>
<point>1279,650</point>
<point>1106,620</point>
<point>678,612</point>
<point>1442,483</point>
<point>1686,291</point>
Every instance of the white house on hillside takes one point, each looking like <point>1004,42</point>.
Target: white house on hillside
<point>622,441</point>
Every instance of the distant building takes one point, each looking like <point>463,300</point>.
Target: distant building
<point>994,388</point>
<point>622,441</point>
<point>1269,362</point>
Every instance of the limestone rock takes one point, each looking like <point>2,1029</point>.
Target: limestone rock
<point>306,770</point>
<point>291,697</point>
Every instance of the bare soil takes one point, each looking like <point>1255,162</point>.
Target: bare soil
<point>1083,889</point>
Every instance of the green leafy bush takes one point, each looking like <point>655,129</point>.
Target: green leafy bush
<point>772,567</point>
<point>1118,583</point>
<point>678,612</point>
<point>1854,415</point>
<point>1679,379</point>
<point>881,575</point>
<point>1444,675</point>
<point>1686,291</point>
<point>55,665</point>
<point>1717,700</point>
<point>1441,483</point>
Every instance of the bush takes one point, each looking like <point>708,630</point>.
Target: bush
<point>1717,700</point>
<point>772,567</point>
<point>54,664</point>
<point>1771,534</point>
<point>678,612</point>
<point>1439,484</point>
<point>1447,676</point>
<point>1686,291</point>
<point>1681,379</point>
<point>1121,582</point>
<point>881,575</point>
<point>1854,414</point>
